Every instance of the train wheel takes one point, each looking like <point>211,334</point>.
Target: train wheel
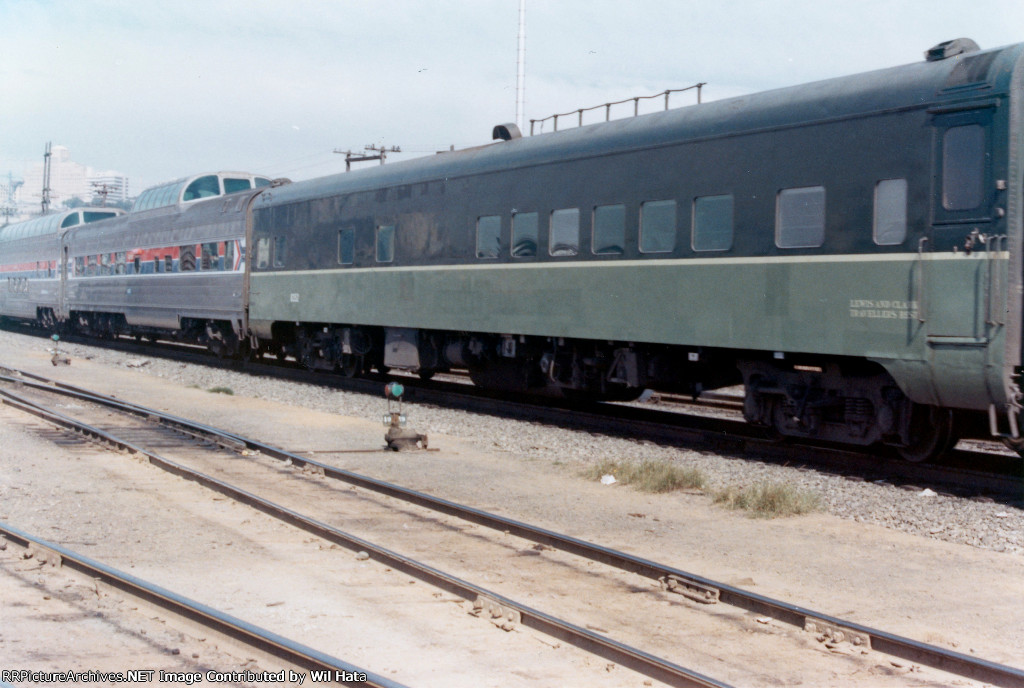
<point>932,434</point>
<point>1015,444</point>
<point>350,365</point>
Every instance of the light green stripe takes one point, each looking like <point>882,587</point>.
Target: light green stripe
<point>679,262</point>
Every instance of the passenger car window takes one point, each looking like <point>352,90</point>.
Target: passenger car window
<point>204,187</point>
<point>488,236</point>
<point>524,235</point>
<point>347,246</point>
<point>280,251</point>
<point>658,226</point>
<point>800,217</point>
<point>609,234</point>
<point>385,243</point>
<point>263,252</point>
<point>564,235</point>
<point>963,167</point>
<point>209,257</point>
<point>94,216</point>
<point>187,258</point>
<point>890,221</point>
<point>233,185</point>
<point>712,223</point>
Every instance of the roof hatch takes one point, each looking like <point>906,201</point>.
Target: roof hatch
<point>957,46</point>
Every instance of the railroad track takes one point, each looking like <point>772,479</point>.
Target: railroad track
<point>980,469</point>
<point>670,579</point>
<point>280,651</point>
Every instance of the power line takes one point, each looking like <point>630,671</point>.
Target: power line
<point>381,151</point>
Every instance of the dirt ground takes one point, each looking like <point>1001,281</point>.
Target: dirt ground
<point>950,595</point>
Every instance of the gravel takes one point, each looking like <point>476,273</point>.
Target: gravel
<point>987,525</point>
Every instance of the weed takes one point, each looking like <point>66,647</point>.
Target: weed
<point>221,390</point>
<point>650,475</point>
<point>769,499</point>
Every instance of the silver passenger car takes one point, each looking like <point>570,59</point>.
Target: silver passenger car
<point>29,260</point>
<point>173,266</point>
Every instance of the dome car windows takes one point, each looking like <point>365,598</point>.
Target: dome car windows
<point>234,185</point>
<point>204,187</point>
<point>70,221</point>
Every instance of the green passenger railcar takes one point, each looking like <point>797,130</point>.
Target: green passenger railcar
<point>850,250</point>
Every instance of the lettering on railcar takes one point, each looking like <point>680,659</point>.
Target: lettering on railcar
<point>883,309</point>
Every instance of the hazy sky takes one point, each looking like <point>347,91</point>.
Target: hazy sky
<point>162,89</point>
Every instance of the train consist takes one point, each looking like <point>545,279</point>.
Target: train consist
<point>849,250</point>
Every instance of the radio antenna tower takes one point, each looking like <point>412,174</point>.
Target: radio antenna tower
<point>521,68</point>
<point>46,179</point>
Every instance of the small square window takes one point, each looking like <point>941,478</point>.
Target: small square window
<point>963,167</point>
<point>262,253</point>
<point>890,224</point>
<point>712,223</point>
<point>347,246</point>
<point>280,251</point>
<point>385,243</point>
<point>658,227</point>
<point>800,217</point>
<point>488,236</point>
<point>564,236</point>
<point>524,235</point>
<point>609,229</point>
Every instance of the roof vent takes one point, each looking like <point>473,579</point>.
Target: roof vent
<point>506,132</point>
<point>957,46</point>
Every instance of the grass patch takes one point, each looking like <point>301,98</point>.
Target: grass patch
<point>221,390</point>
<point>649,475</point>
<point>769,499</point>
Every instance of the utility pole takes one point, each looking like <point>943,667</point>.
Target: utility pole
<point>46,179</point>
<point>102,190</point>
<point>10,207</point>
<point>521,69</point>
<point>382,154</point>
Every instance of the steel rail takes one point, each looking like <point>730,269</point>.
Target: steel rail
<point>880,641</point>
<point>988,476</point>
<point>294,654</point>
<point>589,641</point>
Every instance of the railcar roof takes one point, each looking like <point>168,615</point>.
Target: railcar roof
<point>917,85</point>
<point>179,190</point>
<point>54,222</point>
